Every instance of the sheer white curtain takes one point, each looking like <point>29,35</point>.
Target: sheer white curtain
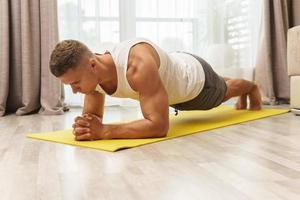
<point>222,31</point>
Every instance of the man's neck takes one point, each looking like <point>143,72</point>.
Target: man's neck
<point>107,73</point>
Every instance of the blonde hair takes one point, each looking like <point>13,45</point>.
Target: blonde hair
<point>66,55</point>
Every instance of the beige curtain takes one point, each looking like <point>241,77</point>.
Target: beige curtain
<point>28,33</point>
<point>271,66</point>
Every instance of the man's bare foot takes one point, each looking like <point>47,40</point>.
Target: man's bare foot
<point>242,102</point>
<point>242,88</point>
<point>255,98</point>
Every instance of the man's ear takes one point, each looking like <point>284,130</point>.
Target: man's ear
<point>92,62</point>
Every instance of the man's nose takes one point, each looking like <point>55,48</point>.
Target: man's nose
<point>74,90</point>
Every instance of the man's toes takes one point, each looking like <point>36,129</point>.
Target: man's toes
<point>241,103</point>
<point>255,107</point>
<point>239,106</point>
<point>255,99</point>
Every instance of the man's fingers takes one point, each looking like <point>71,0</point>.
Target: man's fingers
<point>86,136</point>
<point>82,123</point>
<point>81,130</point>
<point>78,118</point>
<point>87,116</point>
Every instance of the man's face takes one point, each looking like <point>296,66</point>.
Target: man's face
<point>82,78</point>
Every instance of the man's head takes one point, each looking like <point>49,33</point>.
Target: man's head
<point>73,63</point>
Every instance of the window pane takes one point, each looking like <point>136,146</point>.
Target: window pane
<point>67,12</point>
<point>95,33</point>
<point>109,31</point>
<point>146,8</point>
<point>171,36</point>
<point>88,7</point>
<point>167,8</point>
<point>108,8</point>
<point>89,33</point>
<point>147,30</point>
<point>176,36</point>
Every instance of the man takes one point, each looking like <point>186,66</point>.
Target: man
<point>140,70</point>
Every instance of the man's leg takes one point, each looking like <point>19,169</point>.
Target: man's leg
<point>243,88</point>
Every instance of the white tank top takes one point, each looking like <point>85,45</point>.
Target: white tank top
<point>182,74</point>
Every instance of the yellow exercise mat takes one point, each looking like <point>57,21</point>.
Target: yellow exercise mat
<point>185,123</point>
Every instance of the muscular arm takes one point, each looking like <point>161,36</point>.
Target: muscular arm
<point>143,76</point>
<point>94,104</point>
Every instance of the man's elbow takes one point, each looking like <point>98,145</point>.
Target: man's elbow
<point>162,130</point>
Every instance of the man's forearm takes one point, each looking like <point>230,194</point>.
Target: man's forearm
<point>94,104</point>
<point>135,130</point>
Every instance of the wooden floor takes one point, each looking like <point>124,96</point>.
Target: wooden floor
<point>254,160</point>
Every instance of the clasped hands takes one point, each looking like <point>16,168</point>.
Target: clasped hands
<point>88,127</point>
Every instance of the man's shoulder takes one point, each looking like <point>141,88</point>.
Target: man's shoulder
<point>142,53</point>
<point>142,62</point>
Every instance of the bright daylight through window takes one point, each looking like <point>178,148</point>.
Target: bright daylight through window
<point>224,32</point>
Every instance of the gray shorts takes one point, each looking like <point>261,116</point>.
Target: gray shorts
<point>212,94</point>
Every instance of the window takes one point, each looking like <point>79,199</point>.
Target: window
<point>240,29</point>
<point>173,24</point>
<point>96,23</point>
<point>222,31</point>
